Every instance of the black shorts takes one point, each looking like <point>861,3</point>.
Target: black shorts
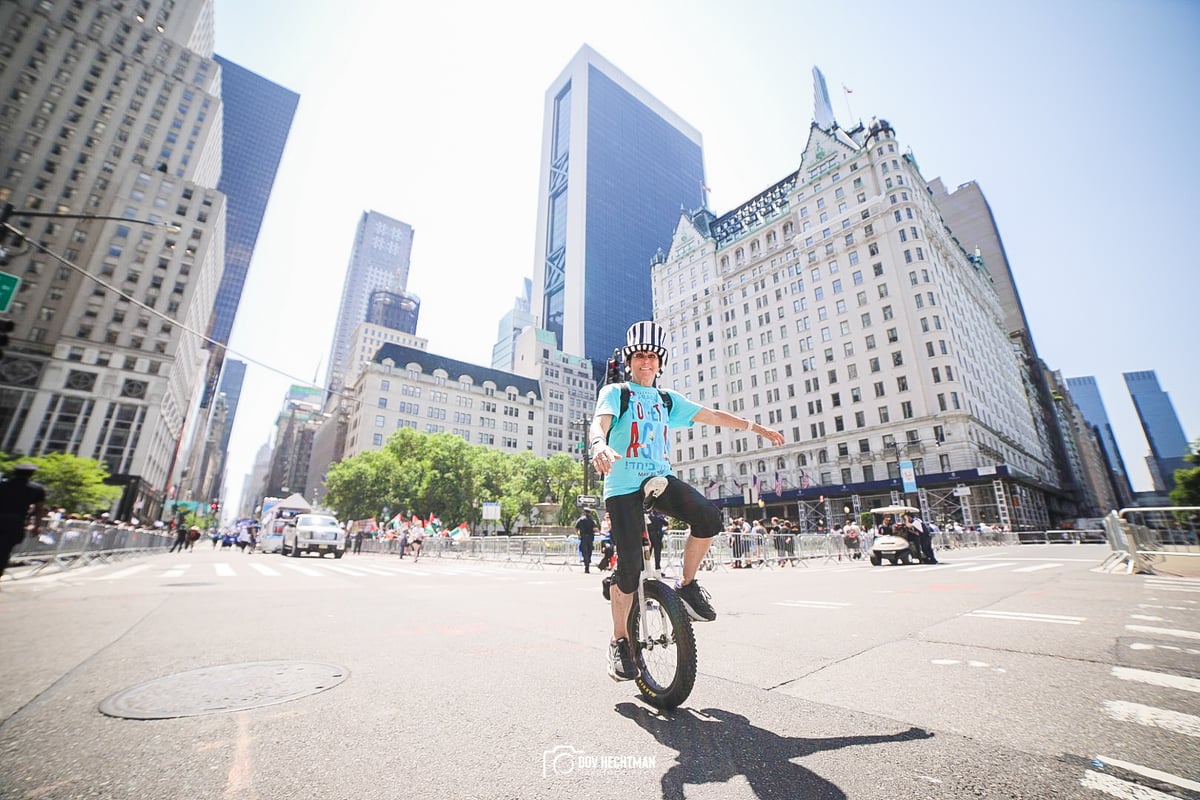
<point>680,500</point>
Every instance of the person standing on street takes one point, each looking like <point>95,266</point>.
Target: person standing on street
<point>630,447</point>
<point>19,497</point>
<point>586,527</point>
<point>924,538</point>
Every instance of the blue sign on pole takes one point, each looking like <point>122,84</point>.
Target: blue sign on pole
<point>908,476</point>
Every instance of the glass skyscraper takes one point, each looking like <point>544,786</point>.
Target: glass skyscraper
<point>258,118</point>
<point>380,260</point>
<point>1168,445</point>
<point>618,168</point>
<point>1086,394</point>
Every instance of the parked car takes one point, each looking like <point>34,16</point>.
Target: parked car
<point>313,533</point>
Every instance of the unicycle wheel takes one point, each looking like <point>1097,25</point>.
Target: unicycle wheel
<point>666,650</point>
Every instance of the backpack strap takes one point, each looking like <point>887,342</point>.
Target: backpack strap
<point>626,392</point>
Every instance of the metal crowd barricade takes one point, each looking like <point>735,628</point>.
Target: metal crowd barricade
<point>1159,539</point>
<point>79,542</point>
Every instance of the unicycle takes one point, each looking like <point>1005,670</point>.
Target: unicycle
<point>660,630</point>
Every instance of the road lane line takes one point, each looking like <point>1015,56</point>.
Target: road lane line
<point>1024,617</point>
<point>982,567</point>
<point>1157,679</point>
<point>1123,790</point>
<point>1036,567</point>
<point>1158,775</point>
<point>1164,631</point>
<point>124,573</point>
<point>1173,721</point>
<point>265,570</point>
<point>224,570</point>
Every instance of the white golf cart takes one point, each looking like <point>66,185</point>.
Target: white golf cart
<point>896,549</point>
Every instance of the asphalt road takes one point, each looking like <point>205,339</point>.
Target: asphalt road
<point>1013,672</point>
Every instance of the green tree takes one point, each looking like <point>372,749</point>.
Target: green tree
<point>1187,481</point>
<point>72,483</point>
<point>360,487</point>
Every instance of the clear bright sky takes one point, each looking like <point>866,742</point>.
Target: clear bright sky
<point>1076,119</point>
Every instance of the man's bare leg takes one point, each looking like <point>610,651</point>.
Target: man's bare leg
<point>620,605</point>
<point>693,553</point>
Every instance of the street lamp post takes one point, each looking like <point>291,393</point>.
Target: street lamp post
<point>585,424</point>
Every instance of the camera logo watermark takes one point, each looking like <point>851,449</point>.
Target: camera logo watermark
<point>565,759</point>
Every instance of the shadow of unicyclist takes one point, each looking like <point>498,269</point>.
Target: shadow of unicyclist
<point>716,745</point>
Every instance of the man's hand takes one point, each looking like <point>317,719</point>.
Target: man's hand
<point>604,458</point>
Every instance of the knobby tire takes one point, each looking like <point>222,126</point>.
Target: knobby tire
<point>667,672</point>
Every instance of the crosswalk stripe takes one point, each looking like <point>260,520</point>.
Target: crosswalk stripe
<point>1173,721</point>
<point>1123,790</point>
<point>982,567</point>
<point>123,573</point>
<point>343,570</point>
<point>265,570</point>
<point>1037,567</point>
<point>373,570</point>
<point>315,573</point>
<point>1157,775</point>
<point>1179,634</point>
<point>176,572</point>
<point>224,570</point>
<point>1157,679</point>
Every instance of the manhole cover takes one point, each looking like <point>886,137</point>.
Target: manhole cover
<point>229,687</point>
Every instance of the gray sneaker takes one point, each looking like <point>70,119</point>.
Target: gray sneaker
<point>621,665</point>
<point>695,600</point>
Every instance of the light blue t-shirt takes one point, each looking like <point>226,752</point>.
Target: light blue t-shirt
<point>641,436</point>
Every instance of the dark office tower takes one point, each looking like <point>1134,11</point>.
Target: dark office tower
<point>1086,394</point>
<point>397,311</point>
<point>258,116</point>
<point>1163,432</point>
<point>380,260</point>
<point>617,169</point>
<point>232,379</point>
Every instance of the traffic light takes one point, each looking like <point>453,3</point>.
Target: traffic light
<point>6,327</point>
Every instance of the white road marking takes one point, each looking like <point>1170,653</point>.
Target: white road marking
<point>1123,790</point>
<point>1166,587</point>
<point>1169,647</point>
<point>305,570</point>
<point>1157,775</point>
<point>1173,721</point>
<point>1036,567</point>
<point>982,567</point>
<point>1164,631</point>
<point>1057,619</point>
<point>811,604</point>
<point>264,569</point>
<point>123,573</point>
<point>1146,618</point>
<point>343,570</point>
<point>224,570</point>
<point>176,572</point>
<point>1157,679</point>
<point>1163,608</point>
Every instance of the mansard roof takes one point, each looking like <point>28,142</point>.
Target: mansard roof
<point>759,208</point>
<point>402,356</point>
